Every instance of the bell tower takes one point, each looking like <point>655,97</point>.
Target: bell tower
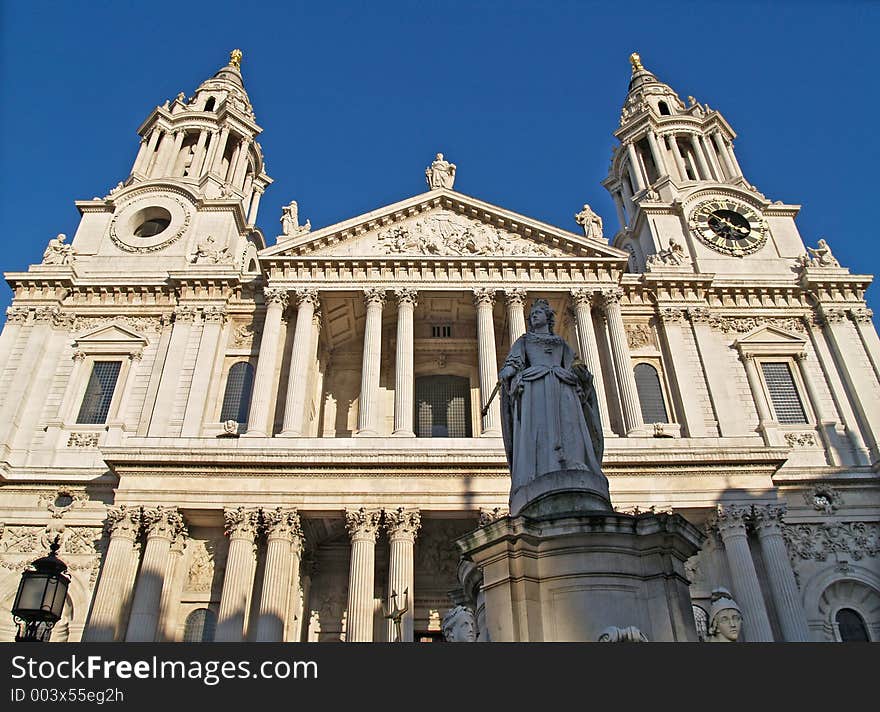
<point>193,192</point>
<point>680,193</point>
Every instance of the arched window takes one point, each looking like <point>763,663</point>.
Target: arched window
<point>237,398</point>
<point>443,407</point>
<point>650,394</point>
<point>209,105</point>
<point>200,626</point>
<point>851,627</point>
<point>664,108</point>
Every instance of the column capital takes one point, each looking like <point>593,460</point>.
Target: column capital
<point>363,523</point>
<point>241,523</point>
<point>768,519</point>
<point>374,296</point>
<point>582,297</point>
<point>484,297</point>
<point>281,523</point>
<point>801,356</point>
<point>123,522</point>
<point>402,523</point>
<point>214,314</point>
<point>79,356</point>
<point>610,296</point>
<point>731,520</point>
<point>698,314</point>
<point>306,295</point>
<point>406,296</point>
<point>515,297</point>
<point>163,522</point>
<point>861,315</point>
<point>276,295</point>
<point>185,313</point>
<point>671,315</point>
<point>16,315</point>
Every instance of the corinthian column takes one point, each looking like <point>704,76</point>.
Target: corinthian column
<point>484,300</point>
<point>368,404</point>
<point>241,528</point>
<point>626,380</point>
<point>298,378</point>
<point>362,525</point>
<point>162,525</point>
<point>403,527</point>
<point>583,303</point>
<point>731,523</point>
<point>403,365</point>
<point>516,320</point>
<point>260,417</point>
<point>123,525</point>
<point>783,586</point>
<point>280,578</point>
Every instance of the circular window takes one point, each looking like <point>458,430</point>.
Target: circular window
<point>150,221</point>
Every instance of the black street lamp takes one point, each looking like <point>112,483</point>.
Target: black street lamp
<point>40,598</point>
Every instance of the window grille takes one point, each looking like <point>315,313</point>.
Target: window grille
<point>237,397</point>
<point>99,393</point>
<point>650,394</point>
<point>443,407</point>
<point>200,626</point>
<point>442,331</point>
<point>783,392</point>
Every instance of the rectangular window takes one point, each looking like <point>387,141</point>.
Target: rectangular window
<point>783,392</point>
<point>99,393</point>
<point>443,331</point>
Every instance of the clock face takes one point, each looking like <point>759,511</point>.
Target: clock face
<point>729,226</point>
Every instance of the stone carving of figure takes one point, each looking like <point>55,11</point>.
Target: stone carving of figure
<point>673,256</point>
<point>440,174</point>
<point>459,625</point>
<point>821,255</point>
<point>57,252</point>
<point>206,251</point>
<point>590,222</point>
<point>290,220</point>
<point>725,618</point>
<point>549,411</point>
<point>630,634</point>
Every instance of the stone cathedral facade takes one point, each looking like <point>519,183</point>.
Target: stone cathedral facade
<point>241,436</point>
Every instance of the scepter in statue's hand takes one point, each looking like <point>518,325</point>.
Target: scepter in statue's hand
<point>491,398</point>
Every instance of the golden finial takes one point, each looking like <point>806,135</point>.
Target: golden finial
<point>235,58</point>
<point>636,62</point>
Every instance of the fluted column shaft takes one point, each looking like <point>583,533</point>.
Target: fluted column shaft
<point>718,142</point>
<point>298,378</point>
<point>705,173</point>
<point>171,590</point>
<point>260,416</point>
<point>626,380</point>
<point>676,156</point>
<point>783,586</point>
<point>731,523</point>
<point>283,539</point>
<point>368,404</point>
<point>241,528</point>
<point>484,300</point>
<point>123,523</point>
<point>163,524</point>
<point>404,384</point>
<point>657,154</point>
<point>403,527</point>
<point>516,318</point>
<point>362,525</point>
<point>583,300</point>
<point>635,168</point>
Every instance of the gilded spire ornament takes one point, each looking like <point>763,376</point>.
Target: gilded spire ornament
<point>636,61</point>
<point>235,58</point>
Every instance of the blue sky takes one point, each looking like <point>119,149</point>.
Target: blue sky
<point>355,99</point>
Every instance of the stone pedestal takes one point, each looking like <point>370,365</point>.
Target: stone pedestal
<point>568,577</point>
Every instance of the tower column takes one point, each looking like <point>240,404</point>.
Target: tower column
<point>720,149</point>
<point>368,404</point>
<point>672,142</point>
<point>626,381</point>
<point>363,526</point>
<point>783,586</point>
<point>242,162</point>
<point>255,205</point>
<point>141,155</point>
<point>259,417</point>
<point>123,525</point>
<point>627,200</point>
<point>618,204</point>
<point>163,525</point>
<point>635,168</point>
<point>731,523</point>
<point>403,527</point>
<point>657,154</point>
<point>281,575</point>
<point>171,157</point>
<point>241,527</point>
<point>198,161</point>
<point>217,162</point>
<point>298,378</point>
<point>583,304</point>
<point>731,154</point>
<point>484,300</point>
<point>403,365</point>
<point>705,173</point>
<point>142,164</point>
<point>709,151</point>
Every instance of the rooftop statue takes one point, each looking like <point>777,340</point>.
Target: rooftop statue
<point>590,222</point>
<point>290,220</point>
<point>549,409</point>
<point>440,174</point>
<point>57,252</point>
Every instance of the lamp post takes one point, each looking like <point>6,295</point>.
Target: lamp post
<point>40,598</point>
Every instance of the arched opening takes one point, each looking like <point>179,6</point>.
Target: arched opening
<point>200,626</point>
<point>210,104</point>
<point>663,107</point>
<point>443,407</point>
<point>237,397</point>
<point>650,394</point>
<point>851,626</point>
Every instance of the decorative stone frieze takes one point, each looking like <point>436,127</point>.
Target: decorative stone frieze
<point>61,500</point>
<point>185,314</point>
<point>16,315</point>
<point>243,335</point>
<point>83,440</point>
<point>214,314</point>
<point>818,542</point>
<point>861,315</point>
<point>823,498</point>
<point>801,440</point>
<point>671,315</point>
<point>639,336</point>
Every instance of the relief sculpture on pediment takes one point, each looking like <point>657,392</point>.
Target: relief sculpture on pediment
<point>445,233</point>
